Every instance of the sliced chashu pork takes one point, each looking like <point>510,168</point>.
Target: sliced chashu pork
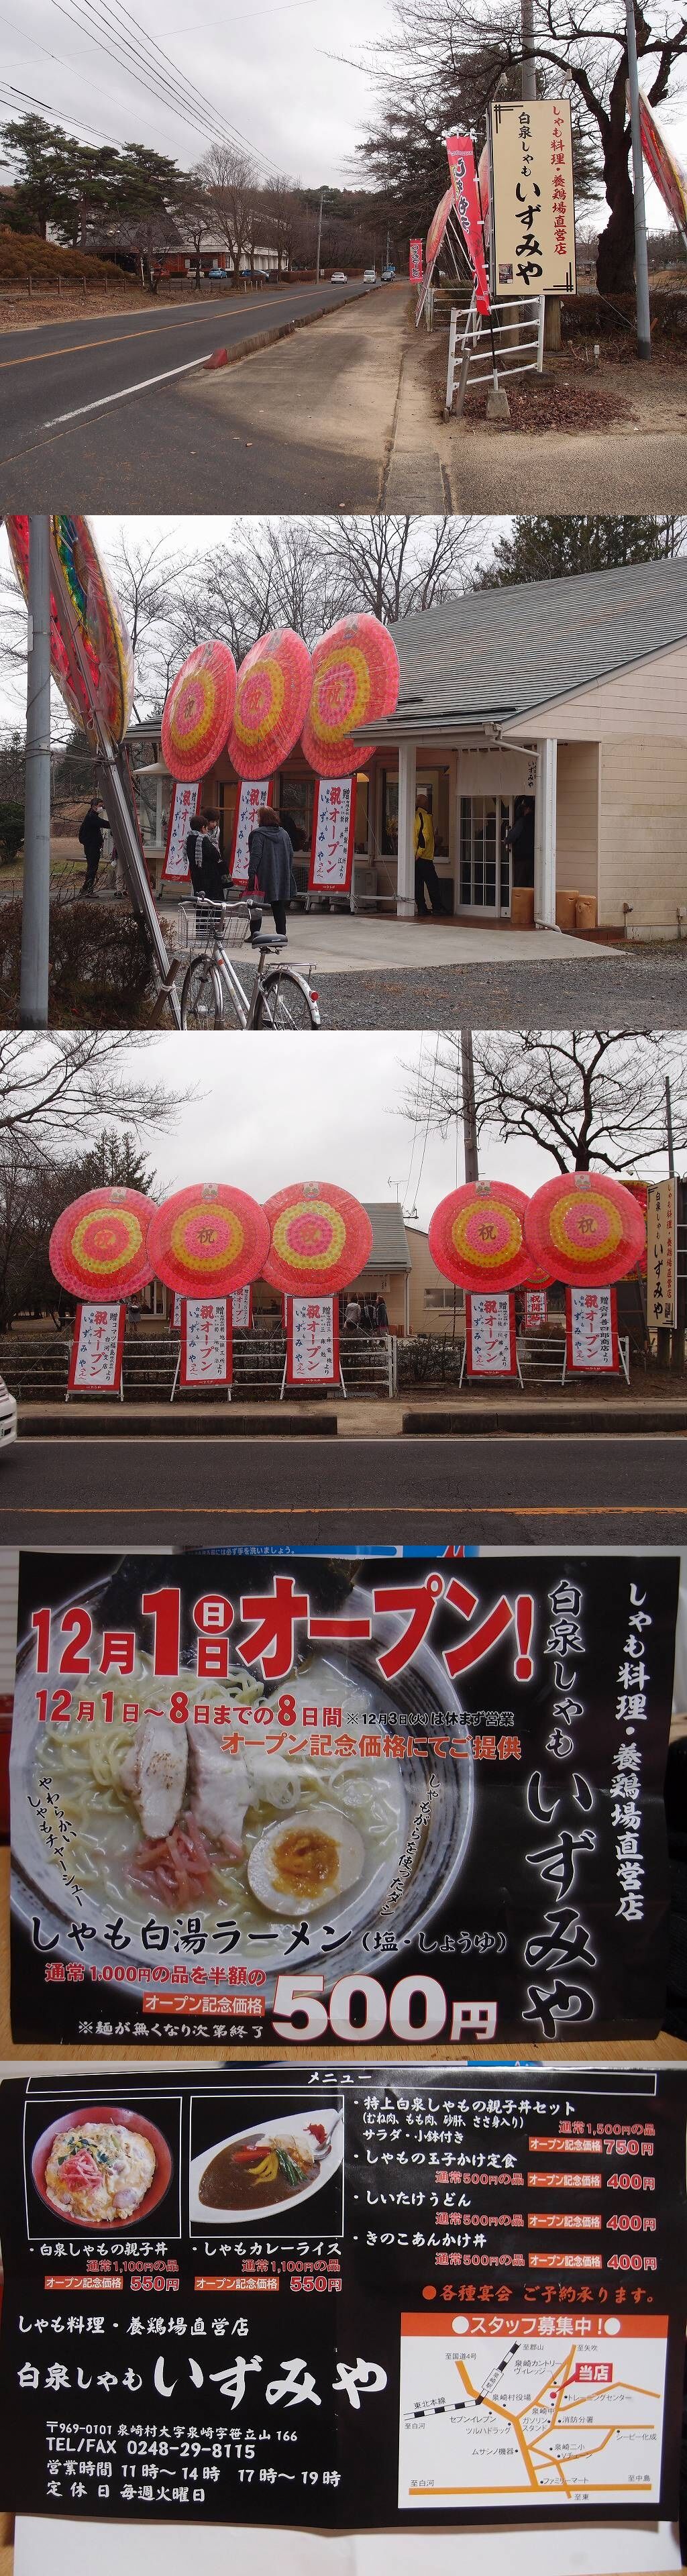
<point>154,1775</point>
<point>220,1793</point>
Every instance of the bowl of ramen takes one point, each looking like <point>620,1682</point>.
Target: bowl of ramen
<point>225,1819</point>
<point>273,2165</point>
<point>101,2167</point>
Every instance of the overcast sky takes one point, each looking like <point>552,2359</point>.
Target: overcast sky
<point>345,1126</point>
<point>280,73</point>
<point>187,539</point>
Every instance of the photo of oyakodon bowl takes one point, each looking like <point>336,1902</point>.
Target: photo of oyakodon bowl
<point>101,2167</point>
<point>277,2163</point>
<point>227,1823</point>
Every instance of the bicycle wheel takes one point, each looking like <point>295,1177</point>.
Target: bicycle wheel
<point>201,997</point>
<point>285,1001</point>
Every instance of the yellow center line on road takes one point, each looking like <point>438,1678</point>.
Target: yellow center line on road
<point>111,340</point>
<point>347,1511</point>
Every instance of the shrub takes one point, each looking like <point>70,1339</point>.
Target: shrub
<point>100,971</point>
<point>11,833</point>
<point>601,317</point>
<point>24,255</point>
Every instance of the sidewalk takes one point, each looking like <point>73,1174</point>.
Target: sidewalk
<point>358,391</point>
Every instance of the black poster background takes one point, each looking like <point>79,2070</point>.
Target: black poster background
<point>533,1922</point>
<point>75,2438</point>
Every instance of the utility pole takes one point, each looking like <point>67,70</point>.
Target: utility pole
<point>35,935</point>
<point>641,256</point>
<point>469,1118</point>
<point>319,235</point>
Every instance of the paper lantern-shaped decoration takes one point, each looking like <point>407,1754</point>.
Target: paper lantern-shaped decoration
<point>208,1240</point>
<point>477,1237</point>
<point>272,698</point>
<point>198,712</point>
<point>97,615</point>
<point>99,1246</point>
<point>587,1227</point>
<point>321,1239</point>
<point>639,1192</point>
<point>355,682</point>
<point>96,609</point>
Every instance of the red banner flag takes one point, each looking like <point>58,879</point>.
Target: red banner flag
<point>466,199</point>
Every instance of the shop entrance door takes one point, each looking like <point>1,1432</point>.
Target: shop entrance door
<point>485,857</point>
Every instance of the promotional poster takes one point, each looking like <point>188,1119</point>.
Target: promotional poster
<point>286,1799</point>
<point>217,2288</point>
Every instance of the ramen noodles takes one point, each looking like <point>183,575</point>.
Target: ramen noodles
<point>99,2171</point>
<point>162,1819</point>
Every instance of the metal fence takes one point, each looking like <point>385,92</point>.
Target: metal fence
<point>509,341</point>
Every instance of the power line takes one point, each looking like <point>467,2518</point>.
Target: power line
<point>55,58</point>
<point>150,58</point>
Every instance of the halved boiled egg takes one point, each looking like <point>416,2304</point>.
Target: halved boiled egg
<point>305,1860</point>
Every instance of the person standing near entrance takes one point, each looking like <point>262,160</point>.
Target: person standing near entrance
<point>270,861</point>
<point>426,879</point>
<point>91,835</point>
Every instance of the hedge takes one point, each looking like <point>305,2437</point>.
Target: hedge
<point>100,969</point>
<point>601,317</point>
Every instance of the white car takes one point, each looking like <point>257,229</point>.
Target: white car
<point>8,1416</point>
<point>339,277</point>
<point>369,277</point>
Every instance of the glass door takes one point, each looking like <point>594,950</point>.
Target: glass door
<point>485,857</point>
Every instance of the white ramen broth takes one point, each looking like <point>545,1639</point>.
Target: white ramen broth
<point>86,1765</point>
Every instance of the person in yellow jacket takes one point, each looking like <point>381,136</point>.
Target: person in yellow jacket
<point>426,879</point>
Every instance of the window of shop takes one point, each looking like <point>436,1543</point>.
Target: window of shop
<point>441,1301</point>
<point>485,853</point>
<point>296,800</point>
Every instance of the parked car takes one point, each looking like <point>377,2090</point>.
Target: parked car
<point>8,1416</point>
<point>369,277</point>
<point>218,276</point>
<point>339,277</point>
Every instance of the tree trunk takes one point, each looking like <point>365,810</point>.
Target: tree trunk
<point>615,268</point>
<point>198,266</point>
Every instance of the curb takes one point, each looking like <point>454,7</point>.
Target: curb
<point>630,1419</point>
<point>126,1422</point>
<point>258,340</point>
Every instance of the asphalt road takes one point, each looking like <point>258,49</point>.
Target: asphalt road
<point>586,1491</point>
<point>86,408</point>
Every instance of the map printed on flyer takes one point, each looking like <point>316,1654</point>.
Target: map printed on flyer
<point>217,2285</point>
<point>277,1799</point>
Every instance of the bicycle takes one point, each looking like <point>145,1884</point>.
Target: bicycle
<point>282,996</point>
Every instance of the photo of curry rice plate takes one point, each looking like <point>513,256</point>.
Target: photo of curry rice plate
<point>258,2169</point>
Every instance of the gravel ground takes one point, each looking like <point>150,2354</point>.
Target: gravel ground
<point>627,992</point>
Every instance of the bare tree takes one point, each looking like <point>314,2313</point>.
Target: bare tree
<point>306,573</point>
<point>61,1087</point>
<point>196,212</point>
<point>150,574</point>
<point>232,184</point>
<point>581,48</point>
<point>591,1099</point>
<point>279,211</point>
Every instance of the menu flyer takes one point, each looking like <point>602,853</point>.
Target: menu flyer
<point>219,2288</point>
<point>293,1800</point>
